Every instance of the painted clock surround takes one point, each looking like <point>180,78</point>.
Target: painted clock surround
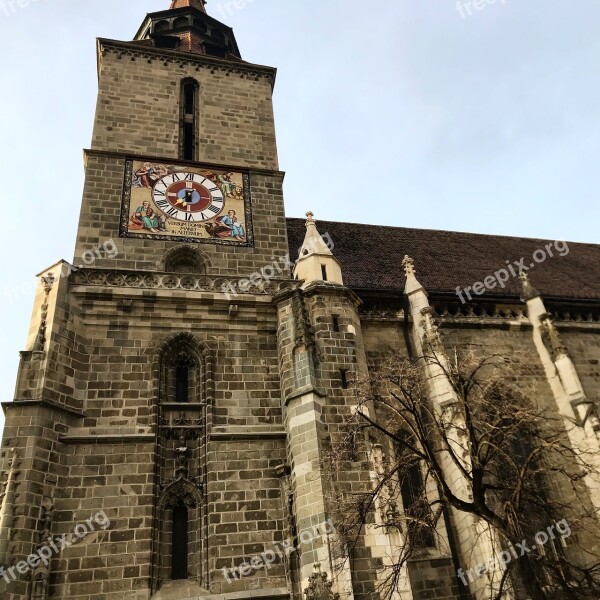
<point>186,203</point>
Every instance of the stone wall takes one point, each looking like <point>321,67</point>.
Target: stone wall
<point>138,109</point>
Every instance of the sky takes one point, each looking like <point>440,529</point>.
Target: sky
<point>413,113</point>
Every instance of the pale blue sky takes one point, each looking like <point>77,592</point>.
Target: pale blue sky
<point>394,112</point>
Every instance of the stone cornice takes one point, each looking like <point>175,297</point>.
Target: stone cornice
<point>233,434</point>
<point>119,154</point>
<point>150,280</point>
<point>126,438</point>
<point>136,50</point>
<point>319,287</point>
<point>54,406</point>
<point>333,289</point>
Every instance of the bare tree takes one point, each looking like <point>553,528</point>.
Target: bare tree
<point>506,442</point>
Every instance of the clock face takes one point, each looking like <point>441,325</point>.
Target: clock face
<point>195,204</point>
<point>188,197</point>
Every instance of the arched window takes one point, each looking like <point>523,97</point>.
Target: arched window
<point>185,382</point>
<point>417,509</point>
<point>184,260</point>
<point>182,383</point>
<point>185,371</point>
<point>180,534</point>
<point>180,543</point>
<point>189,119</point>
<point>182,377</point>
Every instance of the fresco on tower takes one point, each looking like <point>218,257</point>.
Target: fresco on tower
<point>186,204</point>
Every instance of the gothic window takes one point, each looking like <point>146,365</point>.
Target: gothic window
<point>185,380</point>
<point>181,377</point>
<point>182,383</point>
<point>182,373</point>
<point>180,543</point>
<point>189,119</point>
<point>179,535</point>
<point>416,504</point>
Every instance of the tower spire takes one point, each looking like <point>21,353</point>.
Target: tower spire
<point>199,4</point>
<point>186,27</point>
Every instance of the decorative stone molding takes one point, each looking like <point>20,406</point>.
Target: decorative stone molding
<point>168,281</point>
<point>48,284</point>
<point>303,331</point>
<point>41,574</point>
<point>8,505</point>
<point>478,311</point>
<point>319,588</point>
<point>552,338</point>
<point>198,61</point>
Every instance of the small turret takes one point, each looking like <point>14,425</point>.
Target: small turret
<point>186,27</point>
<point>316,261</point>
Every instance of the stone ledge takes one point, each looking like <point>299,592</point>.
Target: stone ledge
<point>233,434</point>
<point>304,391</point>
<point>125,438</point>
<point>254,594</point>
<point>178,592</point>
<point>22,403</point>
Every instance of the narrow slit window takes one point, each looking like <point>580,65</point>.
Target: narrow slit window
<point>324,272</point>
<point>336,323</point>
<point>180,543</point>
<point>182,384</point>
<point>189,119</point>
<point>344,379</point>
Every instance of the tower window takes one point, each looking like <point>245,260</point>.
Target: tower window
<point>324,272</point>
<point>344,379</point>
<point>336,323</point>
<point>179,543</point>
<point>189,120</point>
<point>182,384</point>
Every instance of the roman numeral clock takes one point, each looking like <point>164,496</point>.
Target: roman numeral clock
<point>186,203</point>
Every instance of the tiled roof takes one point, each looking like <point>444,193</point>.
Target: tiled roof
<point>371,259</point>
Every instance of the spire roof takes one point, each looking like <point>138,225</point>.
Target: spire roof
<point>199,4</point>
<point>313,242</point>
<point>186,27</point>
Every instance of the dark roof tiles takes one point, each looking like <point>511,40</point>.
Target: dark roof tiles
<point>371,258</point>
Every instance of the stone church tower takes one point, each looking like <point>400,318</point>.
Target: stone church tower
<point>183,375</point>
<point>145,391</point>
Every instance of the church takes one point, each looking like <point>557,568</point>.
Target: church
<point>169,432</point>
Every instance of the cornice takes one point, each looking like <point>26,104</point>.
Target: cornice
<point>40,402</point>
<point>121,155</point>
<point>131,438</point>
<point>151,280</point>
<point>135,50</point>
